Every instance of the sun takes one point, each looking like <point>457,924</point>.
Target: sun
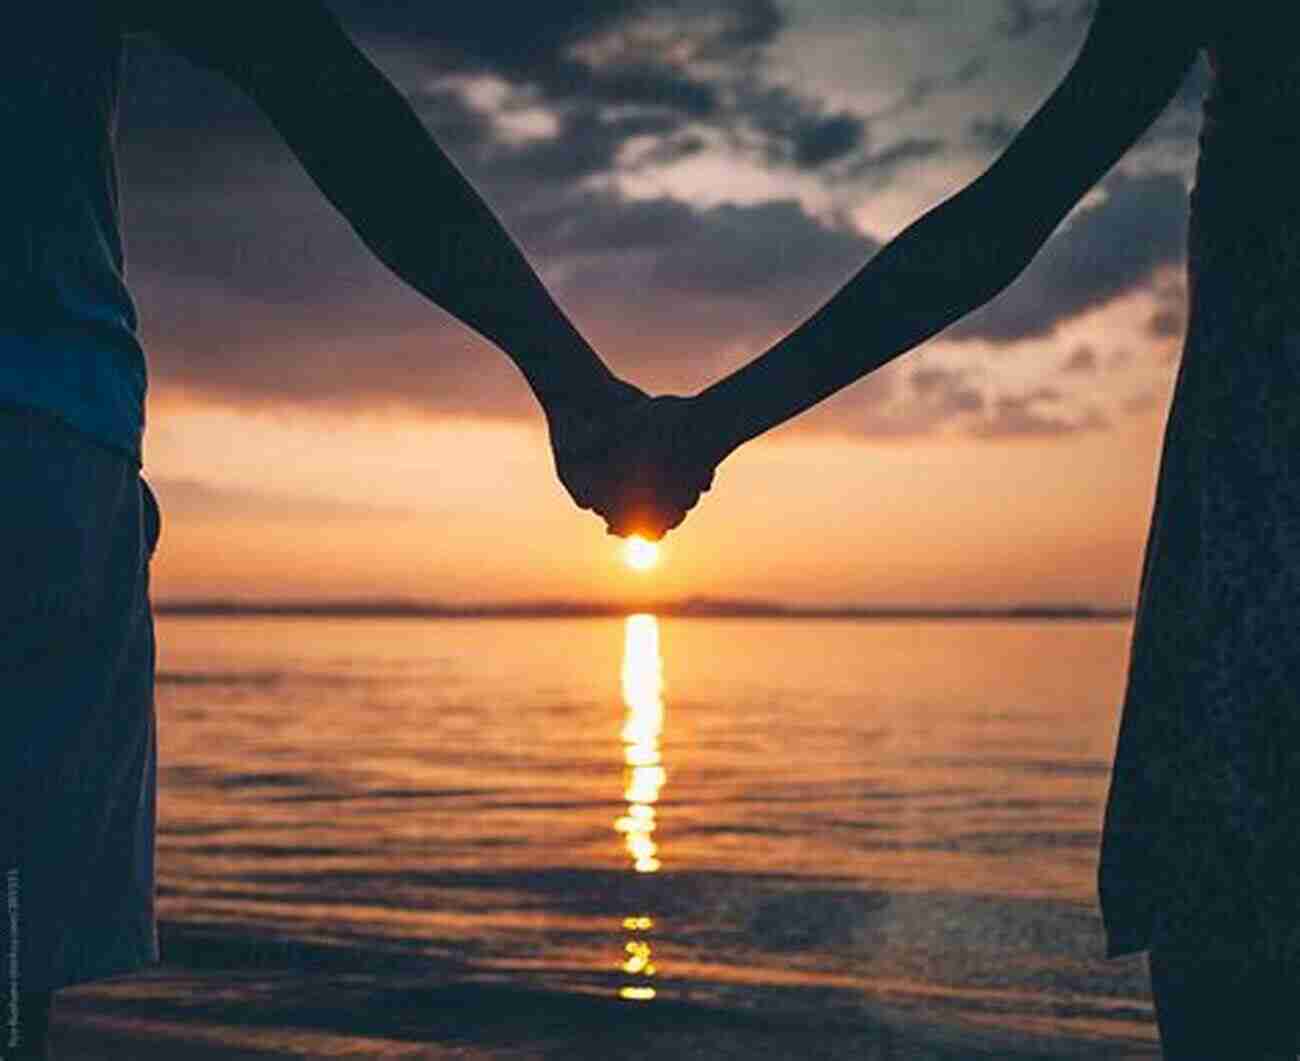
<point>639,554</point>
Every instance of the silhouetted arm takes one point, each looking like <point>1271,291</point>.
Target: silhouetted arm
<point>965,251</point>
<point>368,152</point>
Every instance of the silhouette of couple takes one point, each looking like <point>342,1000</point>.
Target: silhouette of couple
<point>1199,853</point>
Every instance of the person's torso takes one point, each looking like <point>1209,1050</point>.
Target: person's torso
<point>60,245</point>
<point>68,324</point>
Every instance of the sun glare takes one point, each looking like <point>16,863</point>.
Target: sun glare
<point>639,554</point>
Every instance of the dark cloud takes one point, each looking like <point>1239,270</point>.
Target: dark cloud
<point>946,392</point>
<point>631,84</point>
<point>1106,251</point>
<point>992,133</point>
<point>524,45</point>
<point>194,499</point>
<point>253,288</point>
<point>631,41</point>
<point>529,38</point>
<point>659,281</point>
<point>299,311</point>
<point>601,223</point>
<point>796,134</point>
<point>755,251</point>
<point>1015,417</point>
<point>770,250</point>
<point>921,89</point>
<point>586,145</point>
<point>786,129</point>
<point>1166,323</point>
<point>883,164</point>
<point>825,139</point>
<point>498,35</point>
<point>1083,360</point>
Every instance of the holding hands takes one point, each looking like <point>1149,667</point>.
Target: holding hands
<point>642,462</point>
<point>638,461</point>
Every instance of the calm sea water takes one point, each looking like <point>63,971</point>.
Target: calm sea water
<point>892,818</point>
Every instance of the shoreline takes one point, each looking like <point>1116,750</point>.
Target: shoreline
<point>237,993</point>
<point>172,1012</point>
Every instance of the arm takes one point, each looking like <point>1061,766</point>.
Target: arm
<point>972,246</point>
<point>370,155</point>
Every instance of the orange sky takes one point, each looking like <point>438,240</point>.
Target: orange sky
<point>316,429</point>
<point>307,504</point>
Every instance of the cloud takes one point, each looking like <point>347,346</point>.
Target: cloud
<point>1166,323</point>
<point>1015,416</point>
<point>795,133</point>
<point>756,250</point>
<point>193,499</point>
<point>992,134</point>
<point>1140,403</point>
<point>319,321</point>
<point>921,89</point>
<point>255,290</point>
<point>1104,252</point>
<point>946,392</point>
<point>1083,360</point>
<point>883,164</point>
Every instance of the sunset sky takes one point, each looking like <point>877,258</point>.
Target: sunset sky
<point>691,180</point>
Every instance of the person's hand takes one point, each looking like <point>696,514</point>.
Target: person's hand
<point>585,436</point>
<point>659,469</point>
<point>633,459</point>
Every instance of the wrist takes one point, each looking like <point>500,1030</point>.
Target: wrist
<point>714,427</point>
<point>568,377</point>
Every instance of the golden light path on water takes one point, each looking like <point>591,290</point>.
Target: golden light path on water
<point>644,776</point>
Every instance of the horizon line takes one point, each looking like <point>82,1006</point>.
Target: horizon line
<point>702,607</point>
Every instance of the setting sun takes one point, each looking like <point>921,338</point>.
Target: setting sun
<point>639,554</point>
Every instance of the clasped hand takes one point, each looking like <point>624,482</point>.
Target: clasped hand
<point>640,462</point>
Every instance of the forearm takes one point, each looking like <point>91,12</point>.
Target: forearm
<point>414,209</point>
<point>951,261</point>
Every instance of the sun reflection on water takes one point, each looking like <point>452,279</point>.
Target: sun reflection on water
<point>644,776</point>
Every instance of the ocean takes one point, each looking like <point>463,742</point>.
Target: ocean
<point>871,824</point>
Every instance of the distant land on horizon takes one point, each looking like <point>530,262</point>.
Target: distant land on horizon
<point>698,607</point>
